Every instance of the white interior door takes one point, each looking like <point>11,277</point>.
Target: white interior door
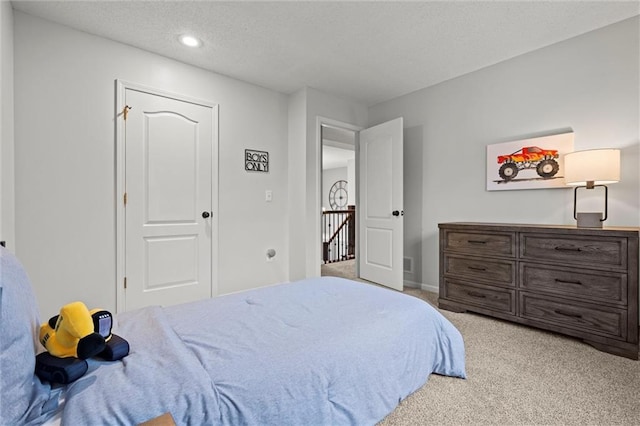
<point>380,205</point>
<point>169,193</point>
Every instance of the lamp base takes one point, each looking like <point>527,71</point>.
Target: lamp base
<point>589,220</point>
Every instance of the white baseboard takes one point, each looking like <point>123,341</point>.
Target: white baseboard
<point>430,287</point>
<point>422,286</point>
<point>412,284</point>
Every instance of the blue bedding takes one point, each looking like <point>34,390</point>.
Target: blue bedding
<point>324,351</point>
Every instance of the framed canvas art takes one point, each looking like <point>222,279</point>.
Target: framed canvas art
<point>536,163</point>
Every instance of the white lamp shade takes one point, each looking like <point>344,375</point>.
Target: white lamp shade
<point>600,166</point>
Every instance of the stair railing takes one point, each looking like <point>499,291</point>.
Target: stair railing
<point>339,235</point>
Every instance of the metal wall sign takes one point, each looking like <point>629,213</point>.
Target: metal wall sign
<point>256,161</point>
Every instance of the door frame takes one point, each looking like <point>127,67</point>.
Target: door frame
<point>120,158</point>
<point>317,219</point>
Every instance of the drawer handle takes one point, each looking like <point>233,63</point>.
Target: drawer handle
<point>568,248</point>
<point>568,282</point>
<point>475,268</point>
<point>567,314</point>
<point>476,242</point>
<point>474,294</point>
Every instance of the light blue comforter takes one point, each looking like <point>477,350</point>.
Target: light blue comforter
<point>323,351</point>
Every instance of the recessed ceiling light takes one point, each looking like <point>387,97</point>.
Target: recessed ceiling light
<point>190,41</point>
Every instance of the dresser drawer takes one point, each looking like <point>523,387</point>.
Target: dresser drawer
<point>478,243</point>
<point>494,299</point>
<point>494,271</point>
<point>595,252</point>
<point>589,318</point>
<point>599,286</point>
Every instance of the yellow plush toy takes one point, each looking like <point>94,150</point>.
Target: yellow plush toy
<point>72,333</point>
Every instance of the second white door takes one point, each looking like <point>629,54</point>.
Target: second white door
<point>380,206</point>
<point>169,170</point>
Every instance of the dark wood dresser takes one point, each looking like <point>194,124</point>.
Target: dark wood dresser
<point>578,282</point>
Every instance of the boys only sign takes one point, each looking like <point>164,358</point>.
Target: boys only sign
<point>256,161</point>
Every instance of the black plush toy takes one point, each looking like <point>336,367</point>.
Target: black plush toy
<point>117,348</point>
<point>59,370</point>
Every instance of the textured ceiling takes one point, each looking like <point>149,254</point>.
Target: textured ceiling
<point>366,51</point>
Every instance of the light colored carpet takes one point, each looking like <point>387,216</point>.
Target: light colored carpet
<point>517,375</point>
<point>346,269</point>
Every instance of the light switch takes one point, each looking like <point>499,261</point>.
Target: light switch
<point>268,195</point>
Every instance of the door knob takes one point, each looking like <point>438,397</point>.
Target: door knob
<point>206,214</point>
<point>395,213</point>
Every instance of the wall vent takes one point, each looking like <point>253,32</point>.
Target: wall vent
<point>408,264</point>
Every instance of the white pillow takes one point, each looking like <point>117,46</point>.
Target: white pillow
<point>22,395</point>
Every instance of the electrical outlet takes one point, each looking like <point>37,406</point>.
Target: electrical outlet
<point>268,195</point>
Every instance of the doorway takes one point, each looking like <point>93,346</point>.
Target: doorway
<point>338,201</point>
<point>379,198</point>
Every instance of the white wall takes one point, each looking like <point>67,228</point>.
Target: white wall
<point>297,134</point>
<point>589,84</point>
<point>351,180</point>
<point>412,197</point>
<point>7,197</point>
<point>65,167</point>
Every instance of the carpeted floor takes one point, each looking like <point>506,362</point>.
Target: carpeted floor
<point>517,375</point>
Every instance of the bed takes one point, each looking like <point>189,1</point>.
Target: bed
<point>323,351</point>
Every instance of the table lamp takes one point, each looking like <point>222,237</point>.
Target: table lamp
<point>588,169</point>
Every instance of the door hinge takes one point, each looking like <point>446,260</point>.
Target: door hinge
<point>125,283</point>
<point>125,198</point>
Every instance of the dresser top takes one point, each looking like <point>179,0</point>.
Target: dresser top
<point>541,228</point>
